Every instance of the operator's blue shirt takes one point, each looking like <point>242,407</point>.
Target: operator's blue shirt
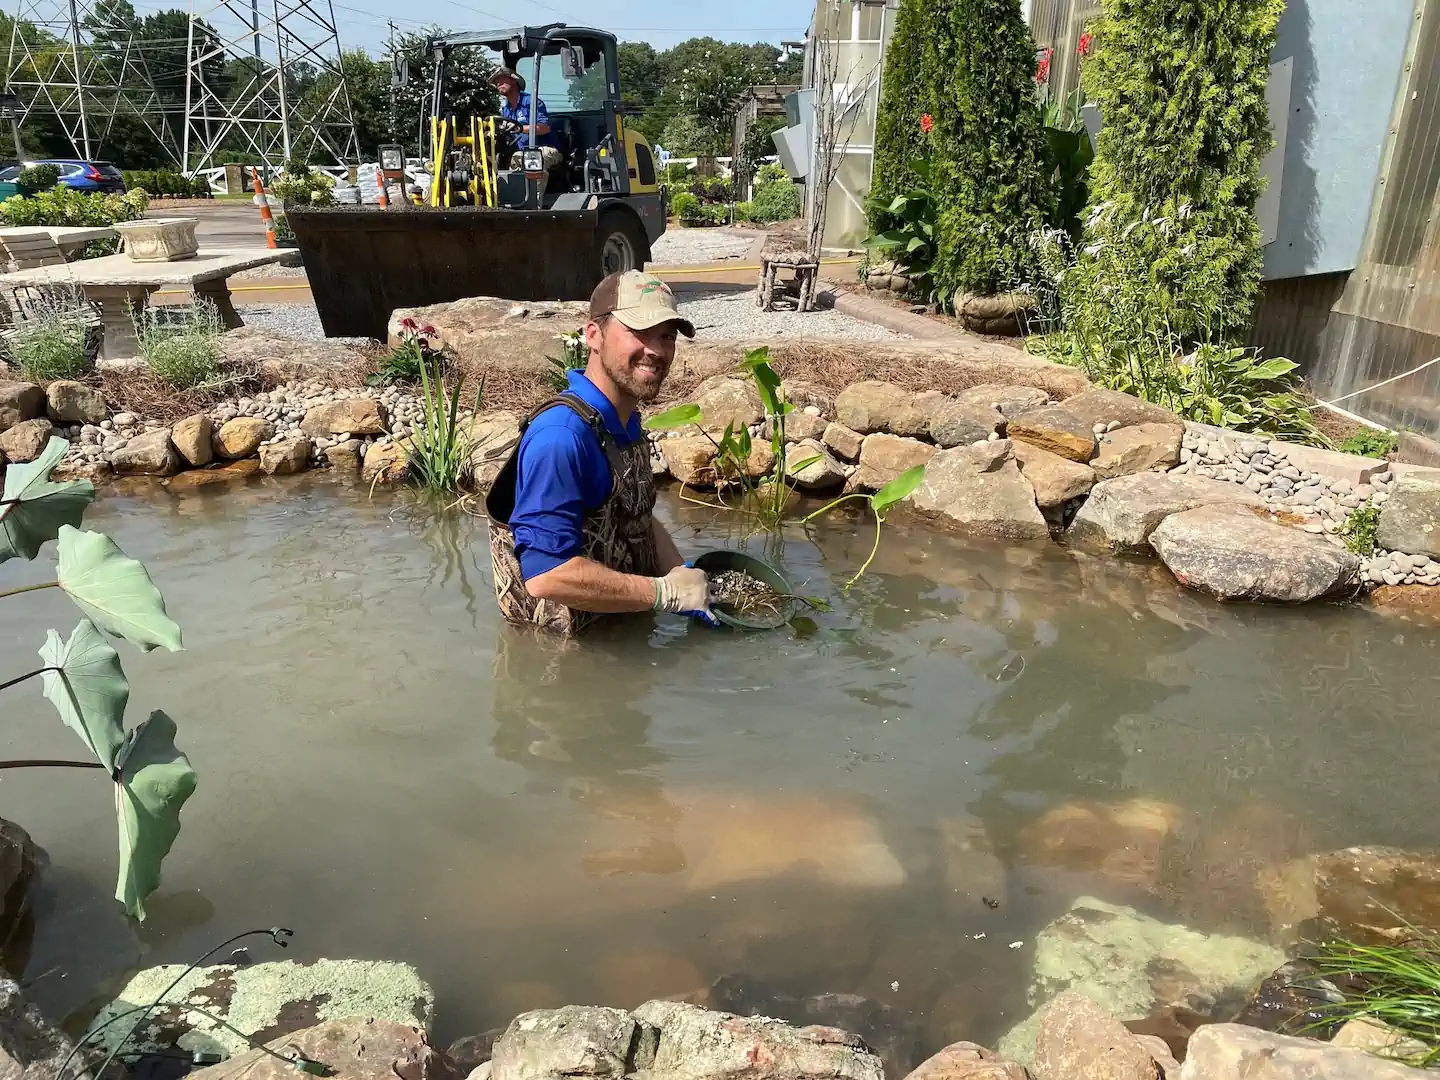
<point>520,113</point>
<point>561,475</point>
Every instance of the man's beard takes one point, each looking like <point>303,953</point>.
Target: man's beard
<point>623,376</point>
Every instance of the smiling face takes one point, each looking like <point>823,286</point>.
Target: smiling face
<point>633,362</point>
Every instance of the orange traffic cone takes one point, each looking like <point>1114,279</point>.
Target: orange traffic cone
<point>265,215</point>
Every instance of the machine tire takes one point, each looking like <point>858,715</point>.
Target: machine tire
<point>622,244</point>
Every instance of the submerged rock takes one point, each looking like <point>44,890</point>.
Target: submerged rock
<point>266,1000</point>
<point>1235,553</point>
<point>1132,966</point>
<point>887,1031</point>
<point>1124,842</point>
<point>353,1048</point>
<point>1123,512</point>
<point>698,1044</point>
<point>1371,895</point>
<point>31,1048</point>
<point>20,862</point>
<point>286,456</point>
<point>1295,1000</point>
<point>980,491</point>
<point>1231,1051</point>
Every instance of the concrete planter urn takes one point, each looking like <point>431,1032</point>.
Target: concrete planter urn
<point>159,239</point>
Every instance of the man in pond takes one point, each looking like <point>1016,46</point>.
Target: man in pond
<point>572,531</point>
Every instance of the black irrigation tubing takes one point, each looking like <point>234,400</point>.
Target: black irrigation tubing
<point>49,763</point>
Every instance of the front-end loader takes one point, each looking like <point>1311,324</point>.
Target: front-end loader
<point>495,221</point>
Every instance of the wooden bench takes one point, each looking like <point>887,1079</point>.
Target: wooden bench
<point>27,250</point>
<point>803,275</point>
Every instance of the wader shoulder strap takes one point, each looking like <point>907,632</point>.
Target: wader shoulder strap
<point>500,502</point>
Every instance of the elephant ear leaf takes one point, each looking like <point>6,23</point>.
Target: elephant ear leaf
<point>33,507</point>
<point>87,687</point>
<point>113,590</point>
<point>152,784</point>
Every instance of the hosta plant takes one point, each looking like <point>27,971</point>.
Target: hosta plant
<point>81,674</point>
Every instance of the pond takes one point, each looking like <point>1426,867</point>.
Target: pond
<point>387,771</point>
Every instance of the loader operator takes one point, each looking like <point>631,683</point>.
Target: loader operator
<point>572,534</point>
<point>515,107</point>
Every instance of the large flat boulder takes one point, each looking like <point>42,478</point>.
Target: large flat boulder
<point>1101,406</point>
<point>353,416</point>
<point>981,492</point>
<point>1123,512</point>
<point>884,457</point>
<point>483,331</point>
<point>1138,448</point>
<point>1372,895</point>
<point>1008,400</point>
<point>1237,553</point>
<point>1331,464</point>
<point>1052,428</point>
<point>728,401</point>
<point>698,1044</point>
<point>69,402</point>
<point>957,423</point>
<point>353,1048</point>
<point>1055,480</point>
<point>265,1001</point>
<point>491,438</point>
<point>148,454</point>
<point>691,460</point>
<point>1233,1051</point>
<point>281,359</point>
<point>1410,518</point>
<point>871,406</point>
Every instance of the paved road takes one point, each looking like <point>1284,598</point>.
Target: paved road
<point>221,224</point>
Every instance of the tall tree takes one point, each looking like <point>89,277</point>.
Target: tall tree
<point>1181,87</point>
<point>989,169</point>
<point>904,94</point>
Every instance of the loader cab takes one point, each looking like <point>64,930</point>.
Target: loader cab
<point>575,72</point>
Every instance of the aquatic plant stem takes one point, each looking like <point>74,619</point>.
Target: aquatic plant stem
<point>30,588</point>
<point>27,675</point>
<point>831,505</point>
<point>869,558</point>
<point>49,763</point>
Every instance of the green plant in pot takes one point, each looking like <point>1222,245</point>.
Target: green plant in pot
<point>81,675</point>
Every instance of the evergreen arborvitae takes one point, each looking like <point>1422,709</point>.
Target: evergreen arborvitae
<point>1180,85</point>
<point>990,171</point>
<point>903,96</point>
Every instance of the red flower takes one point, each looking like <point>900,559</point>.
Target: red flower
<point>1042,69</point>
<point>428,331</point>
<point>926,123</point>
<point>1083,48</point>
<point>407,324</point>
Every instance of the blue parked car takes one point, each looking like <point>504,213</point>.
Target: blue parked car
<point>81,175</point>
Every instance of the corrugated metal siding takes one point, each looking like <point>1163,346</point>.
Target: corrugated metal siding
<point>1058,24</point>
<point>1292,314</point>
<point>1387,321</point>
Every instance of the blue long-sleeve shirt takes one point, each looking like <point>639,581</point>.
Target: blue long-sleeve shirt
<point>520,113</point>
<point>561,475</point>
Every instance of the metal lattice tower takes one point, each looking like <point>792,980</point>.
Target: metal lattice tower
<point>84,83</point>
<point>255,44</point>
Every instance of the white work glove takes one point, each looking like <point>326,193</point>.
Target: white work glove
<point>684,591</point>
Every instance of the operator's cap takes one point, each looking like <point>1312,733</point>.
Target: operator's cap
<point>639,301</point>
<point>506,73</point>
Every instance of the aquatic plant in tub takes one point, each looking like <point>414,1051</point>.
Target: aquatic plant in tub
<point>159,239</point>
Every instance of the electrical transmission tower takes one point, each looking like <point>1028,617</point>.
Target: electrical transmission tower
<point>264,78</point>
<point>68,59</point>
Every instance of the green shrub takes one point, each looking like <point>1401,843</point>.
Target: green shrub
<point>1359,530</point>
<point>685,206</point>
<point>744,212</point>
<point>183,348</point>
<point>302,184</point>
<point>284,234</point>
<point>574,355</point>
<point>775,201</point>
<point>167,183</point>
<point>49,343</point>
<point>1367,442</point>
<point>768,174</point>
<point>990,174</point>
<point>66,206</point>
<point>1181,85</point>
<point>904,97</point>
<point>677,172</point>
<point>910,241</point>
<point>38,178</point>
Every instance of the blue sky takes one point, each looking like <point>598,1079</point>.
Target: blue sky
<point>662,23</point>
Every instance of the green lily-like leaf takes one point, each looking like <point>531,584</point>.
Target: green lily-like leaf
<point>893,238</point>
<point>114,590</point>
<point>89,689</point>
<point>678,416</point>
<point>155,780</point>
<point>1273,368</point>
<point>801,465</point>
<point>34,507</point>
<point>897,489</point>
<point>898,204</point>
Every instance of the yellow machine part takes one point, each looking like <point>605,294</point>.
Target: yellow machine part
<point>630,138</point>
<point>479,145</point>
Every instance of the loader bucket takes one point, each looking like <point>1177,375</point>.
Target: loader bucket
<point>364,262</point>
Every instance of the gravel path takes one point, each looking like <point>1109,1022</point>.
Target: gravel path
<point>678,247</point>
<point>734,315</point>
<point>292,320</point>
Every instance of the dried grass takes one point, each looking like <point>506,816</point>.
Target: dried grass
<point>146,394</point>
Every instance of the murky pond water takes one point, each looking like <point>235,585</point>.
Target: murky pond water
<point>389,772</point>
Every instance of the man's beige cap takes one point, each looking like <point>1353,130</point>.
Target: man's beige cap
<point>639,301</point>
